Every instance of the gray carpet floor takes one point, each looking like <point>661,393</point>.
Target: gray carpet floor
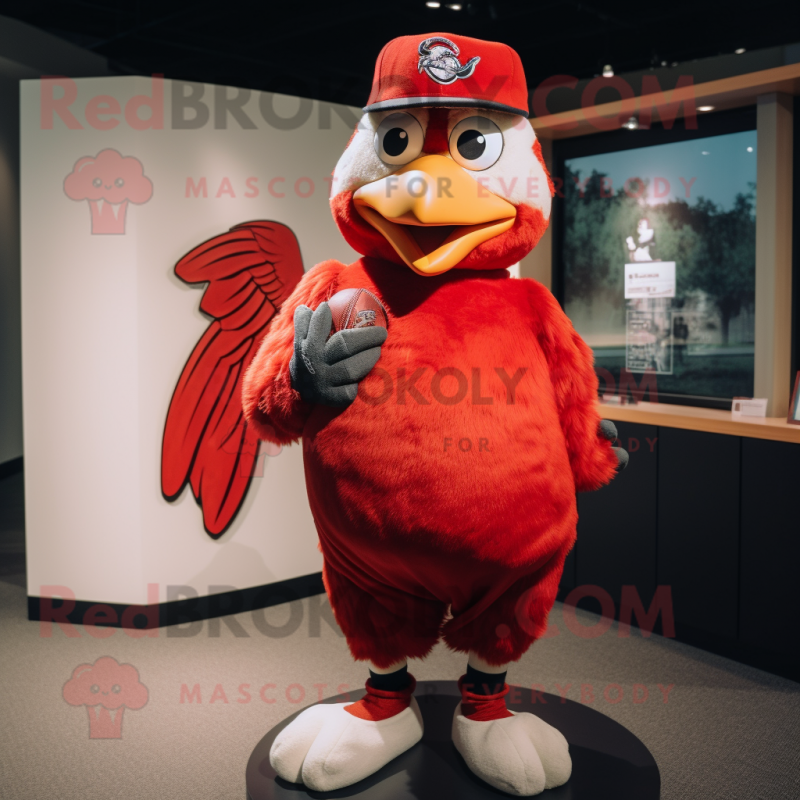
<point>723,730</point>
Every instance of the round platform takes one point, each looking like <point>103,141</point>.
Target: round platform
<point>608,761</point>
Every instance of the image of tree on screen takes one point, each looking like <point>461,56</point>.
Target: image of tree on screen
<point>613,217</point>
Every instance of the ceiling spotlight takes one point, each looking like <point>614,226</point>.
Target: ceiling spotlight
<point>454,6</point>
<point>674,63</point>
<point>632,124</point>
<point>705,108</point>
<point>749,149</point>
<point>608,71</point>
<point>705,153</point>
<point>432,4</point>
<point>739,51</point>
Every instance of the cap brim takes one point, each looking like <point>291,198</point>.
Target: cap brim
<point>443,102</point>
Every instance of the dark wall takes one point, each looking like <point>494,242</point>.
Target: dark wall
<point>714,518</point>
<point>618,524</point>
<point>770,545</point>
<point>796,244</point>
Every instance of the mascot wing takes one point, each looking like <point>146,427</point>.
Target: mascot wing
<point>250,271</point>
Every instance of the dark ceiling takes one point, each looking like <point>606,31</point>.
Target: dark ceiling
<point>327,51</point>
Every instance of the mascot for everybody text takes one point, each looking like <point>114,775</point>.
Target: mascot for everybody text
<point>446,425</point>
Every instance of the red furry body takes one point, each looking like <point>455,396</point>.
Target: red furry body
<point>426,493</point>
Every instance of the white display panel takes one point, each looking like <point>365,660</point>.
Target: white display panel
<point>108,327</point>
<point>648,279</point>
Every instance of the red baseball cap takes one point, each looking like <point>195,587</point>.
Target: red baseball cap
<point>443,69</point>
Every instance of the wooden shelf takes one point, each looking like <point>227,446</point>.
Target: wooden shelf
<point>710,420</point>
<point>735,92</point>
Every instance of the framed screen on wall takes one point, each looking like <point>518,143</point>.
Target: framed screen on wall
<point>655,257</point>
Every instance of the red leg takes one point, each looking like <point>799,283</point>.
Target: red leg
<point>384,628</point>
<point>508,627</point>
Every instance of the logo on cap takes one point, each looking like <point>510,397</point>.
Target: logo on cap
<point>439,58</point>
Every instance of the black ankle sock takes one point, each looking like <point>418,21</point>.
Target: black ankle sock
<point>392,682</point>
<point>483,683</point>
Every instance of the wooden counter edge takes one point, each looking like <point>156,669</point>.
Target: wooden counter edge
<point>708,420</point>
<point>724,93</point>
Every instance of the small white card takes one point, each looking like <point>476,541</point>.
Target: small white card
<point>649,279</point>
<point>749,407</point>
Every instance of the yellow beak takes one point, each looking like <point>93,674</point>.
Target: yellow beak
<point>432,213</point>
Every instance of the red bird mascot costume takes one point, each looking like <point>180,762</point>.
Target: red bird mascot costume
<point>442,452</point>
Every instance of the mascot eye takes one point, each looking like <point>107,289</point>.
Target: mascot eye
<point>399,139</point>
<point>97,182</point>
<point>95,688</point>
<point>476,143</point>
<point>119,183</point>
<point>116,688</point>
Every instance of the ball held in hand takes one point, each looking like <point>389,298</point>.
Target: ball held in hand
<point>356,308</point>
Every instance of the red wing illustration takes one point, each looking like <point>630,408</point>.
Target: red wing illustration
<point>250,271</point>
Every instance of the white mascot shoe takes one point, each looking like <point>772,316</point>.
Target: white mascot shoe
<point>521,755</point>
<point>328,748</point>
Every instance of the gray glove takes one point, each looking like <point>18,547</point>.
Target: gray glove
<point>608,430</point>
<point>327,370</point>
